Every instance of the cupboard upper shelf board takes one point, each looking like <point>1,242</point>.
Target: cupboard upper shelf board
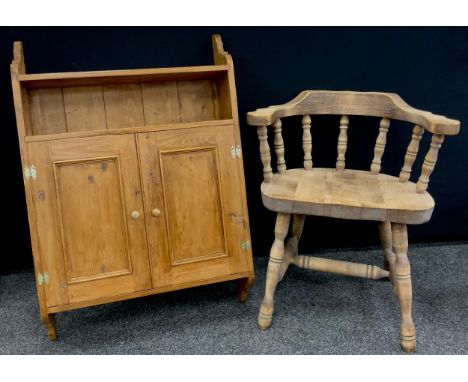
<point>43,80</point>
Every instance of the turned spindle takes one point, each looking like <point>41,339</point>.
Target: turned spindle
<point>265,156</point>
<point>339,267</point>
<point>429,163</point>
<point>380,145</point>
<point>342,143</point>
<point>279,147</point>
<point>307,142</point>
<point>411,153</point>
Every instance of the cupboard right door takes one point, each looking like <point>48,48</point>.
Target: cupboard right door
<point>193,204</point>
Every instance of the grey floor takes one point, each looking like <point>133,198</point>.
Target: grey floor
<point>316,313</point>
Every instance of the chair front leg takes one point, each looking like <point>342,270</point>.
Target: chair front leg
<point>403,282</point>
<point>274,268</point>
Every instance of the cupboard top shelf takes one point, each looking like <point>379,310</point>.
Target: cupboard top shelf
<point>44,80</point>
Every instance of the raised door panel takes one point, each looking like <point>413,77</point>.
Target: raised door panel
<point>193,203</point>
<point>85,193</point>
<point>182,173</point>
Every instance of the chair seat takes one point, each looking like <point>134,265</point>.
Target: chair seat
<point>348,194</point>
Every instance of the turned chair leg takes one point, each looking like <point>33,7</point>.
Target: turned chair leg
<point>51,326</point>
<point>403,283</point>
<point>292,244</point>
<point>385,231</point>
<point>274,267</point>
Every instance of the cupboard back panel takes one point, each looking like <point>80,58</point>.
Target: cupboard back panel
<point>114,106</point>
<point>84,108</point>
<point>47,111</point>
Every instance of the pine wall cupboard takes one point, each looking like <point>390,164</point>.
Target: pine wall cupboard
<point>134,181</point>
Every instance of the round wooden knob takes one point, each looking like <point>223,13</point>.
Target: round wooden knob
<point>135,215</point>
<point>156,212</point>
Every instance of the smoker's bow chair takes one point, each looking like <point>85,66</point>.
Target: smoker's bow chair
<point>348,194</point>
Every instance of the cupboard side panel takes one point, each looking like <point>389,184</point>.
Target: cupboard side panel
<point>24,128</point>
<point>231,93</point>
<point>224,97</point>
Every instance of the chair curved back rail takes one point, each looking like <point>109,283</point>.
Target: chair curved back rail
<point>387,106</point>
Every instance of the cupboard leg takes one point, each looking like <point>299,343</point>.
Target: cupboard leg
<point>403,283</point>
<point>243,287</point>
<point>51,327</point>
<point>273,271</point>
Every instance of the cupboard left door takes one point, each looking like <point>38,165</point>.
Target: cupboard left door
<point>90,219</point>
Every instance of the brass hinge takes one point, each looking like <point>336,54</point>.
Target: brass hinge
<point>30,172</point>
<point>245,245</point>
<point>236,151</point>
<point>43,278</point>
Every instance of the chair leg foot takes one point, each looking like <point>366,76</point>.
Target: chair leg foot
<point>51,327</point>
<point>265,316</point>
<point>274,268</point>
<point>408,336</point>
<point>404,288</point>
